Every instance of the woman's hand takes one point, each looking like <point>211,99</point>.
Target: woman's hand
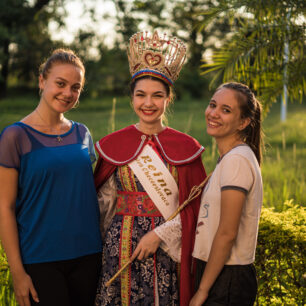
<point>23,287</point>
<point>199,298</point>
<point>147,245</point>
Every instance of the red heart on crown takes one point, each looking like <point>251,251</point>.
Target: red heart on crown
<point>152,59</point>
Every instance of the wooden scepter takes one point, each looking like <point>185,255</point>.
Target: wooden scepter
<point>194,193</point>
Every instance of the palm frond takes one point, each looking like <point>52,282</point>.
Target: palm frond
<point>255,53</point>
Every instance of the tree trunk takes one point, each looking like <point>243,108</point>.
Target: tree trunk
<point>4,70</point>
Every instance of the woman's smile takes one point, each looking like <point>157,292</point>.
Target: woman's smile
<point>213,124</point>
<point>148,112</point>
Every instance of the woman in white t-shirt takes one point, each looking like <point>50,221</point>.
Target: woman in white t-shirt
<point>231,201</point>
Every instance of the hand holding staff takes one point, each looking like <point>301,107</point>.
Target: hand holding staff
<point>194,193</point>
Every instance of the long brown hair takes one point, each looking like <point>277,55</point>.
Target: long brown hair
<point>251,108</point>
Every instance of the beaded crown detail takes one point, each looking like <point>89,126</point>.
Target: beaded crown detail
<point>156,55</point>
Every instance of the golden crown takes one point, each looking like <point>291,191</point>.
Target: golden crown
<point>156,55</point>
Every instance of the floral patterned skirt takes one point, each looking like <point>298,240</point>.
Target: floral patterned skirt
<point>152,281</point>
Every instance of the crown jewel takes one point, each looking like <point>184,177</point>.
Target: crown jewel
<point>156,55</point>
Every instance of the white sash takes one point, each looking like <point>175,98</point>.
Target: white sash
<point>156,180</point>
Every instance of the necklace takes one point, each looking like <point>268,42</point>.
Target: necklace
<point>58,137</point>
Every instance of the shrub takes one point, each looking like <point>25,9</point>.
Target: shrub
<point>280,259</point>
<point>7,297</point>
<point>280,256</point>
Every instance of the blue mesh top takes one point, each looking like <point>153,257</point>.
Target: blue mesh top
<point>56,208</point>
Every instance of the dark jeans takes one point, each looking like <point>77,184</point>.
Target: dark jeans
<point>67,282</point>
<point>236,285</point>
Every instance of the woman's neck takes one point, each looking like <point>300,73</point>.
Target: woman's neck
<point>149,129</point>
<point>225,145</point>
<point>50,118</point>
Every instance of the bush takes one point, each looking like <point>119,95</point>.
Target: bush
<point>280,256</point>
<point>7,297</point>
<point>280,259</point>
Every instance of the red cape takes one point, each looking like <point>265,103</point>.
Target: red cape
<point>179,149</point>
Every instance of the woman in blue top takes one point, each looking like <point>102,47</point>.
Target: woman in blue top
<point>49,217</point>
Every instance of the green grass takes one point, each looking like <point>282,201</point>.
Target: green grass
<point>282,169</point>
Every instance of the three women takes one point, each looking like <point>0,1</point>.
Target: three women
<point>143,173</point>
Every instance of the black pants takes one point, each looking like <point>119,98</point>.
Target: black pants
<point>67,282</point>
<point>236,285</point>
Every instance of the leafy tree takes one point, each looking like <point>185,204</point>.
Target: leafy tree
<point>107,69</point>
<point>185,17</point>
<point>24,37</point>
<point>127,21</point>
<point>179,18</point>
<point>254,54</point>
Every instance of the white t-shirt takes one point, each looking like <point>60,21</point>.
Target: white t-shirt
<point>238,169</point>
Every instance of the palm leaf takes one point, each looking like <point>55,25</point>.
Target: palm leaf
<point>255,53</point>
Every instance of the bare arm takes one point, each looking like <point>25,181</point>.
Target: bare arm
<point>9,236</point>
<point>232,202</point>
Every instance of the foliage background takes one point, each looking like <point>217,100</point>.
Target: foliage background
<point>242,40</point>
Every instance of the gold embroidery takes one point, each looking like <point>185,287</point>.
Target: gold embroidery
<point>127,178</point>
<point>126,236</point>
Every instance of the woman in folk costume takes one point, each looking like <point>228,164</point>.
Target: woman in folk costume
<point>143,173</point>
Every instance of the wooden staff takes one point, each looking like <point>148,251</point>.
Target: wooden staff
<point>194,193</point>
